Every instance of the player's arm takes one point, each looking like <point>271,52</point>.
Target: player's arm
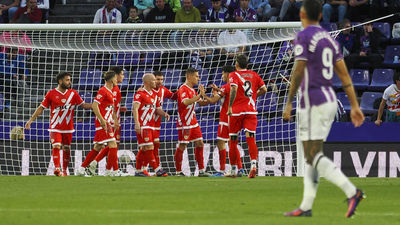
<point>86,105</point>
<point>380,112</point>
<point>196,98</point>
<point>96,110</point>
<point>356,115</point>
<point>232,97</point>
<point>135,111</point>
<point>261,91</point>
<point>115,118</point>
<point>39,110</point>
<point>161,112</point>
<point>295,81</point>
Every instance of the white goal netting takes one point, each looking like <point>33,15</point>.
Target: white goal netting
<point>30,58</point>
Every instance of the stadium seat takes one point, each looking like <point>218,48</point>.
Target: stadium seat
<point>203,73</point>
<point>336,82</point>
<point>136,77</point>
<point>172,78</point>
<point>170,106</point>
<point>1,102</point>
<point>86,96</point>
<point>381,79</point>
<point>129,101</point>
<point>90,79</point>
<point>329,26</point>
<point>261,55</point>
<point>128,58</point>
<point>342,96</point>
<point>360,78</point>
<point>384,28</point>
<point>367,102</point>
<point>102,58</point>
<point>125,82</point>
<point>390,52</point>
<point>267,103</point>
<point>151,58</point>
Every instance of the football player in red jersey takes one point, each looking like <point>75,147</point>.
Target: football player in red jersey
<point>63,101</point>
<point>188,128</point>
<point>103,108</point>
<point>223,131</point>
<point>145,107</point>
<point>118,109</point>
<point>246,86</point>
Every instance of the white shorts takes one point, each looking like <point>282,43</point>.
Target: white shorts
<point>315,123</point>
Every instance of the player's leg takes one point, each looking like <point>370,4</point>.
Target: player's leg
<point>156,145</point>
<point>222,158</point>
<point>197,137</point>
<point>148,148</point>
<point>66,142</point>
<point>112,157</point>
<point>56,141</point>
<point>250,126</point>
<point>235,126</point>
<point>183,141</point>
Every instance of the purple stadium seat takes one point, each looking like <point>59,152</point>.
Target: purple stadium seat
<point>384,28</point>
<point>381,79</point>
<point>390,52</point>
<point>203,73</point>
<point>151,58</point>
<point>128,58</point>
<point>336,82</point>
<point>1,102</point>
<point>90,78</point>
<point>360,78</point>
<point>136,77</point>
<point>207,3</point>
<point>172,78</point>
<point>267,103</point>
<point>329,26</point>
<point>129,101</point>
<point>342,96</point>
<point>367,102</point>
<point>261,55</point>
<point>170,106</point>
<point>86,96</point>
<point>102,58</point>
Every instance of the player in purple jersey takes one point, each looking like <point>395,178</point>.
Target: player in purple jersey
<point>317,56</point>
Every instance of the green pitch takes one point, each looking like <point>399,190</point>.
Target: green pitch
<point>174,200</point>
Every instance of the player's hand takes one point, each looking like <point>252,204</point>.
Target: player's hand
<point>28,125</point>
<point>378,122</point>
<point>287,112</point>
<point>117,125</point>
<point>215,87</point>
<point>357,116</point>
<point>229,113</point>
<point>103,124</point>
<point>123,109</point>
<point>202,90</point>
<point>167,116</point>
<point>137,128</point>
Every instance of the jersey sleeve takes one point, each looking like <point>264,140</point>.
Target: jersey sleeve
<point>338,55</point>
<point>46,101</point>
<point>233,79</point>
<point>169,94</point>
<point>385,95</point>
<point>301,47</point>
<point>100,96</point>
<point>78,99</point>
<point>224,90</point>
<point>182,95</point>
<point>137,98</point>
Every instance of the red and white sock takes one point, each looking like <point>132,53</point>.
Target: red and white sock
<point>113,158</point>
<point>178,159</point>
<point>89,158</point>
<point>222,160</point>
<point>198,155</point>
<point>56,157</point>
<point>66,158</point>
<point>253,151</point>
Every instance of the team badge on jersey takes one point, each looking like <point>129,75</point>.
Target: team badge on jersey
<point>186,134</point>
<point>137,96</point>
<point>114,93</point>
<point>298,49</point>
<point>63,100</point>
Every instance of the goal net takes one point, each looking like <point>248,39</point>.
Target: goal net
<point>31,56</point>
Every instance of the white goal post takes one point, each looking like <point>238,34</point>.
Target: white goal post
<point>31,56</point>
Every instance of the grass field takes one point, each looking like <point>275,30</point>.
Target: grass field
<point>174,200</point>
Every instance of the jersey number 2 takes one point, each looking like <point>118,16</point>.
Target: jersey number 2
<point>248,92</point>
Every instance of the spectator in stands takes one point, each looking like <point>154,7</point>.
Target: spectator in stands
<point>122,9</point>
<point>276,6</point>
<point>237,39</point>
<point>108,13</point>
<point>28,14</point>
<point>43,5</point>
<point>358,10</point>
<point>13,74</point>
<point>346,38</point>
<point>188,13</point>
<point>290,10</point>
<point>8,9</point>
<point>218,13</point>
<point>162,13</point>
<point>339,6</point>
<point>174,4</point>
<point>390,100</point>
<point>366,47</point>
<point>203,9</point>
<point>144,6</point>
<point>231,5</point>
<point>244,13</point>
<point>262,7</point>
<point>134,16</point>
<point>16,37</point>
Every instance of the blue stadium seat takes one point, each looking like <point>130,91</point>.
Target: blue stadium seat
<point>342,96</point>
<point>151,58</point>
<point>206,3</point>
<point>381,79</point>
<point>203,73</point>
<point>390,52</point>
<point>125,82</point>
<point>336,82</point>
<point>129,101</point>
<point>90,79</point>
<point>86,96</point>
<point>261,54</point>
<point>1,102</point>
<point>172,78</point>
<point>136,77</point>
<point>384,28</point>
<point>360,78</point>
<point>128,58</point>
<point>267,103</point>
<point>328,26</point>
<point>367,102</point>
<point>102,58</point>
<point>170,106</point>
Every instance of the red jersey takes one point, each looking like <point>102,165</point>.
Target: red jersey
<point>247,82</point>
<point>62,109</point>
<point>147,109</point>
<point>162,93</point>
<point>105,99</point>
<point>187,118</point>
<point>117,102</point>
<point>224,93</point>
